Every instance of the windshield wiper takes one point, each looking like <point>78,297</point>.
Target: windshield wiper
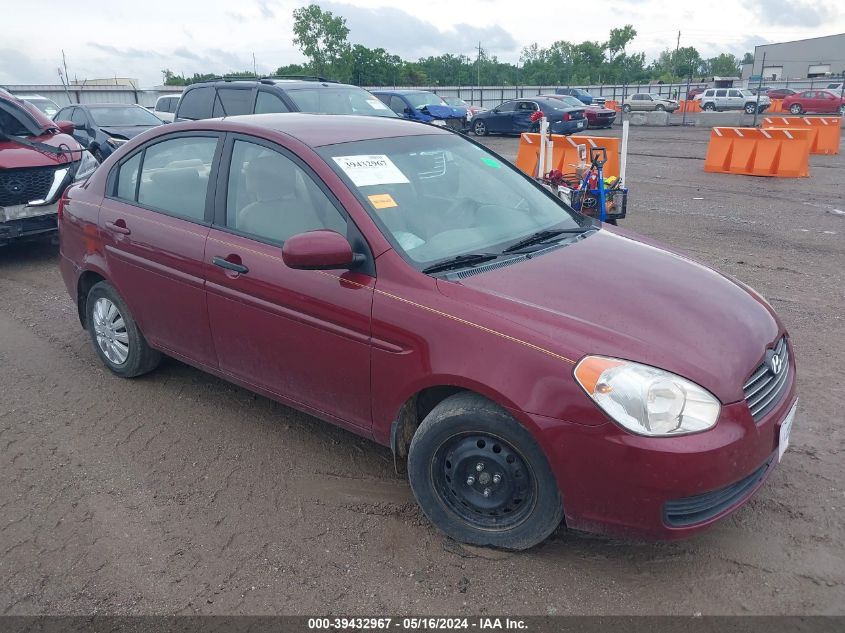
<point>541,236</point>
<point>461,261</point>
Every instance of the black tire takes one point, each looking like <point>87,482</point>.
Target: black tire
<point>522,507</point>
<point>708,107</point>
<point>626,108</point>
<point>842,110</point>
<point>796,108</point>
<point>749,108</point>
<point>140,357</point>
<point>479,128</point>
<point>659,107</point>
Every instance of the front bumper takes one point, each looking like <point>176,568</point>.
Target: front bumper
<point>23,221</point>
<point>626,485</point>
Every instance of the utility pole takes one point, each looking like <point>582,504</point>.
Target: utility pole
<point>759,85</point>
<point>478,67</point>
<point>677,48</point>
<point>254,71</point>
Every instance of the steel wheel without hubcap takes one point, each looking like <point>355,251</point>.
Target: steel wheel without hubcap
<point>484,481</point>
<point>110,331</point>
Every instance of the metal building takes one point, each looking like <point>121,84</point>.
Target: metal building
<point>814,58</point>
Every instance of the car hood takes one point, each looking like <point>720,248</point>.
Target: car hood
<point>444,111</point>
<point>15,155</point>
<point>617,295</point>
<point>126,132</point>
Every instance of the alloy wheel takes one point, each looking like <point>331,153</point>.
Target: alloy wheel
<point>484,481</point>
<point>110,331</point>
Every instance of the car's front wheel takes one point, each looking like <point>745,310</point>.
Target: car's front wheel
<point>480,477</point>
<point>795,108</point>
<point>660,107</point>
<point>708,107</point>
<point>115,334</point>
<point>842,110</point>
<point>626,108</point>
<point>750,107</point>
<point>479,128</point>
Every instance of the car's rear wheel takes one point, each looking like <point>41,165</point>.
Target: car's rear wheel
<point>115,334</point>
<point>480,477</point>
<point>479,128</point>
<point>660,107</point>
<point>626,108</point>
<point>750,107</point>
<point>795,108</point>
<point>842,110</point>
<point>708,107</point>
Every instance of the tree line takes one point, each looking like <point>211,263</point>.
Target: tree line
<point>323,38</point>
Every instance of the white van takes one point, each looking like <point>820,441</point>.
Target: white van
<point>165,107</point>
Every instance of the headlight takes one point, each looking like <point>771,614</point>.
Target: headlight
<point>646,400</point>
<point>115,142</point>
<point>87,165</point>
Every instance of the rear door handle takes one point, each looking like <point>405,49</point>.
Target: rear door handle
<point>118,226</point>
<point>225,263</point>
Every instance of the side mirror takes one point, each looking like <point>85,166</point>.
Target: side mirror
<point>65,127</point>
<point>319,250</point>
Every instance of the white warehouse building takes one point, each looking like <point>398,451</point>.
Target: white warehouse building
<point>817,57</point>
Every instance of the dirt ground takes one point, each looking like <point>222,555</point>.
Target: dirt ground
<point>179,493</point>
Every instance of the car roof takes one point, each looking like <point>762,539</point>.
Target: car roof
<point>268,81</point>
<point>317,130</point>
<point>401,92</point>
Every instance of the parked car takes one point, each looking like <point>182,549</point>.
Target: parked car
<point>103,127</point>
<point>514,117</point>
<point>819,101</point>
<point>780,93</point>
<point>518,396</point>
<point>228,97</point>
<point>472,110</point>
<point>597,116</point>
<point>720,99</point>
<point>165,107</point>
<point>38,159</point>
<point>695,91</point>
<point>425,107</point>
<point>582,95</point>
<point>647,102</point>
<point>834,86</point>
<point>759,89</point>
<point>47,106</point>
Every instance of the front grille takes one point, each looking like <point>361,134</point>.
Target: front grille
<point>692,510</point>
<point>20,186</point>
<point>455,123</point>
<point>769,381</point>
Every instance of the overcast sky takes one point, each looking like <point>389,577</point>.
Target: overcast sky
<point>139,38</point>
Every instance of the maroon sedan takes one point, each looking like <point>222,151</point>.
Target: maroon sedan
<point>411,286</point>
<point>818,101</point>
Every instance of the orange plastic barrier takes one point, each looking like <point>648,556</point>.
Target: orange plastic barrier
<point>613,105</point>
<point>565,153</point>
<point>755,152</point>
<point>825,132</point>
<point>775,106</point>
<point>688,105</point>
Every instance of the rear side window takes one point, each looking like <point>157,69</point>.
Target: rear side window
<point>196,103</point>
<point>232,101</point>
<point>170,176</point>
<point>721,93</point>
<point>267,102</point>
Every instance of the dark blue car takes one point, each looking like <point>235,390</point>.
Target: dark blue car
<point>102,128</point>
<point>582,95</point>
<point>514,117</point>
<point>425,107</point>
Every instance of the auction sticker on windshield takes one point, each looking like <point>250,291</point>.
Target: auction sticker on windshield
<point>374,169</point>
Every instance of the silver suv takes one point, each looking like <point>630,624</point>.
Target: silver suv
<point>720,99</point>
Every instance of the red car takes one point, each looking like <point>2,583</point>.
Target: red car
<point>780,93</point>
<point>818,101</point>
<point>38,159</point>
<point>407,284</point>
<point>597,116</point>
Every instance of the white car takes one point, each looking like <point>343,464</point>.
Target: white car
<point>165,107</point>
<point>719,99</point>
<point>47,106</point>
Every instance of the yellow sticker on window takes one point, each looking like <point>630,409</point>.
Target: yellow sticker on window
<point>382,201</point>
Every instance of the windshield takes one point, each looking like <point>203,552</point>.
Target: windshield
<point>455,101</point>
<point>45,105</point>
<point>128,116</point>
<point>570,102</point>
<point>441,196</point>
<point>422,99</point>
<point>338,100</point>
<point>748,93</point>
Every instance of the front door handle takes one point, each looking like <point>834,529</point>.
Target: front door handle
<point>118,226</point>
<point>225,263</point>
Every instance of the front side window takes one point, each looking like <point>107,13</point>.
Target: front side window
<point>419,100</point>
<point>734,93</point>
<point>507,106</point>
<point>173,177</point>
<point>272,198</point>
<point>397,105</point>
<point>78,118</point>
<point>196,103</point>
<point>338,100</point>
<point>440,196</point>
<point>267,102</point>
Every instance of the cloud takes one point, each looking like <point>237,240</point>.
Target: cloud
<point>410,37</point>
<point>793,12</point>
<point>266,11</point>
